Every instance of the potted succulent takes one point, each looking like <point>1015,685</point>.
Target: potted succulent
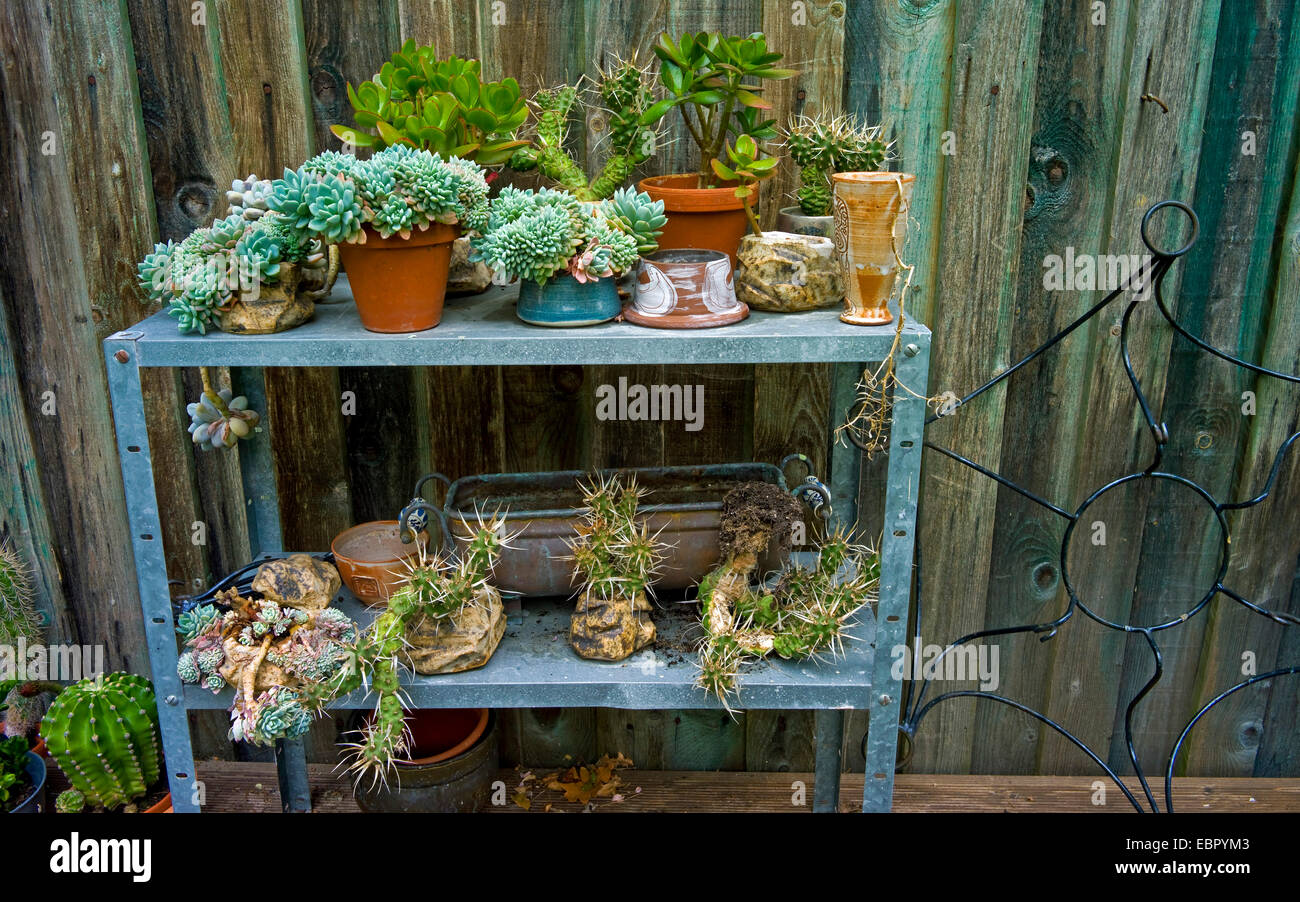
<point>564,251</point>
<point>778,271</point>
<point>716,83</point>
<point>821,146</point>
<point>23,704</point>
<point>103,734</point>
<point>442,106</point>
<point>22,777</point>
<point>270,649</point>
<point>624,94</point>
<point>255,271</point>
<point>394,217</point>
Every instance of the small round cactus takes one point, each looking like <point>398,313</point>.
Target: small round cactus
<point>70,801</point>
<point>103,735</point>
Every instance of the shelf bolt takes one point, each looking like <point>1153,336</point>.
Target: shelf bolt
<point>911,350</point>
<point>172,700</point>
<point>885,700</point>
<point>121,356</point>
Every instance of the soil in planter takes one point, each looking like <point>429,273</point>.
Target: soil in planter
<point>752,514</point>
<point>17,802</point>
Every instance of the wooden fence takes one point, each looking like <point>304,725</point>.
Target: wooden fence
<point>1033,126</point>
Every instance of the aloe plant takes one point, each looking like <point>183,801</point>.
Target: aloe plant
<point>717,82</point>
<point>438,105</point>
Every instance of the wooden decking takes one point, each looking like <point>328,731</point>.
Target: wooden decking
<point>237,787</point>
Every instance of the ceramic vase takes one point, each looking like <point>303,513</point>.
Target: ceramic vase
<point>870,210</point>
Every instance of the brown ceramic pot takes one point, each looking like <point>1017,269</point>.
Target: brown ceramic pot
<point>870,226</point>
<point>371,560</point>
<point>685,288</point>
<point>712,218</point>
<point>162,806</point>
<point>400,283</point>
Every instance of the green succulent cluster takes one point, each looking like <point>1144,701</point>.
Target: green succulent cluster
<point>434,589</point>
<point>533,235</point>
<point>396,191</point>
<point>103,734</point>
<point>219,419</point>
<point>802,616</point>
<point>625,93</point>
<point>420,101</point>
<point>207,270</point>
<point>825,145</point>
<point>309,648</point>
<point>613,554</point>
<point>14,781</point>
<point>638,216</point>
<point>19,618</point>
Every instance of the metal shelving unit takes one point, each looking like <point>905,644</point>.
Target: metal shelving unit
<point>530,669</point>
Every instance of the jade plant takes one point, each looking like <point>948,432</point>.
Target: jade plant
<point>434,589</point>
<point>340,198</point>
<point>15,784</point>
<point>19,618</point>
<point>270,651</point>
<point>823,145</point>
<point>614,558</point>
<point>746,167</point>
<point>624,92</point>
<point>420,101</point>
<point>103,734</point>
<point>534,235</point>
<point>716,82</point>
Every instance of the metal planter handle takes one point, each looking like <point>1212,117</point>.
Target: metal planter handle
<point>812,491</point>
<point>414,518</point>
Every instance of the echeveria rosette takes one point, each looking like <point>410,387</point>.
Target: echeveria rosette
<point>532,235</point>
<point>396,191</point>
<point>637,215</point>
<point>220,422</point>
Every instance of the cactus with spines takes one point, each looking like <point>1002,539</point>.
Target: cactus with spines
<point>434,588</point>
<point>804,615</point>
<point>624,92</point>
<point>18,616</point>
<point>824,145</point>
<point>103,735</point>
<point>70,801</point>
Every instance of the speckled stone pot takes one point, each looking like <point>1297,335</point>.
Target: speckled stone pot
<point>782,272</point>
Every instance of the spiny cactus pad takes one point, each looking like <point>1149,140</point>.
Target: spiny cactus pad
<point>103,735</point>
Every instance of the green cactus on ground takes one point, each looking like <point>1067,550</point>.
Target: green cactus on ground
<point>70,801</point>
<point>825,145</point>
<point>103,735</point>
<point>18,616</point>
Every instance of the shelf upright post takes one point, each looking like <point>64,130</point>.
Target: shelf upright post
<point>902,489</point>
<point>151,565</point>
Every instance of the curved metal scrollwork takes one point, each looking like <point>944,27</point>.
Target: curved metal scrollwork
<point>1146,282</point>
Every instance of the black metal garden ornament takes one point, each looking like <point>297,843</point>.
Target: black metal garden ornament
<point>1146,283</point>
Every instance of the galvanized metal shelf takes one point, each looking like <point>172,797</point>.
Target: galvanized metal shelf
<point>534,667</point>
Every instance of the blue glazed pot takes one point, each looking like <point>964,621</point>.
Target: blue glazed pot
<point>564,301</point>
<point>35,803</point>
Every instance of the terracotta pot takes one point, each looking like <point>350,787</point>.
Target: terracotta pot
<point>269,308</point>
<point>797,222</point>
<point>400,283</point>
<point>441,733</point>
<point>870,225</point>
<point>370,558</point>
<point>457,779</point>
<point>712,218</point>
<point>162,806</point>
<point>685,289</point>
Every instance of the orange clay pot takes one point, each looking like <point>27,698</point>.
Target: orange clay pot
<point>163,806</point>
<point>710,218</point>
<point>870,224</point>
<point>399,283</point>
